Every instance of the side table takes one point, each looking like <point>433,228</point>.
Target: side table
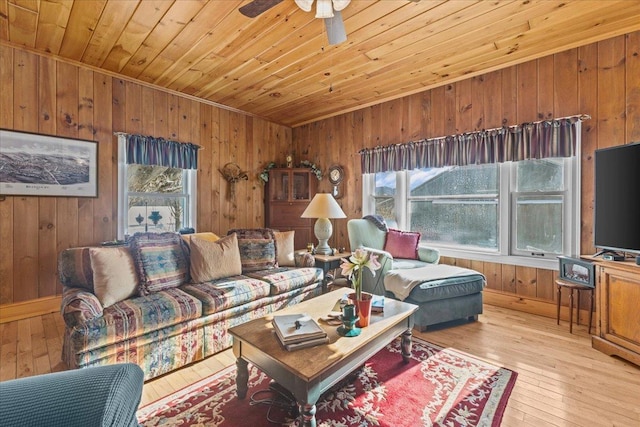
<point>574,287</point>
<point>328,263</point>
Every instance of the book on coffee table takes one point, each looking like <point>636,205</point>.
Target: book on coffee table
<point>294,330</point>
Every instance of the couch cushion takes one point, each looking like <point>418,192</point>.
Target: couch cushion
<point>432,282</point>
<point>284,279</point>
<point>114,274</point>
<point>285,248</point>
<point>214,260</point>
<point>221,294</point>
<point>402,244</point>
<point>74,268</point>
<point>447,288</point>
<point>136,316</point>
<point>257,248</point>
<point>161,261</point>
<point>206,235</point>
<point>403,264</point>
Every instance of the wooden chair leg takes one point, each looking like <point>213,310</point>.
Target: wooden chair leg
<point>571,311</point>
<point>578,308</point>
<point>558,306</point>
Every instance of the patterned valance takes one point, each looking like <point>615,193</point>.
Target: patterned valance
<point>147,150</point>
<point>538,140</point>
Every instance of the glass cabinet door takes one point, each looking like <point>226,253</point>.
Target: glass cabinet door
<point>279,185</point>
<point>300,186</point>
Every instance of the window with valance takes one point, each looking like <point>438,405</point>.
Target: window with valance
<point>157,184</point>
<point>507,195</point>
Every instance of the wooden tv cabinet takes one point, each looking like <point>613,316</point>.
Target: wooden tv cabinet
<point>618,312</point>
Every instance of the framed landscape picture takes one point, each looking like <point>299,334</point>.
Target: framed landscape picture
<point>42,165</point>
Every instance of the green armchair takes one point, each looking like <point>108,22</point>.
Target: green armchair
<point>96,396</point>
<point>366,234</point>
<point>443,293</point>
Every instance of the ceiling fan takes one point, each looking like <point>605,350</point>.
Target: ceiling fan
<point>329,10</point>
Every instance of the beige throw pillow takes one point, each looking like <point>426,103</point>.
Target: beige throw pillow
<point>114,274</point>
<point>214,260</point>
<point>206,235</point>
<point>285,248</point>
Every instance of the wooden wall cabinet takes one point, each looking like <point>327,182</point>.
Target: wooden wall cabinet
<point>287,194</point>
<point>618,310</point>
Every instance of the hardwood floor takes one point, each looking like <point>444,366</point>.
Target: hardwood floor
<point>562,381</point>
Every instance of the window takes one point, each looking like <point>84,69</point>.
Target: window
<point>524,213</point>
<point>154,198</point>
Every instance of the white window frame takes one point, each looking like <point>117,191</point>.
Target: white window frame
<point>503,255</point>
<point>189,183</point>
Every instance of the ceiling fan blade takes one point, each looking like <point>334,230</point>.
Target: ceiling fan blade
<point>256,7</point>
<point>335,28</point>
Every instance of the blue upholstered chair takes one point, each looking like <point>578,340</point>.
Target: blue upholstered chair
<point>90,397</point>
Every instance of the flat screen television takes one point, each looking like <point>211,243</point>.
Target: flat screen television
<point>617,199</point>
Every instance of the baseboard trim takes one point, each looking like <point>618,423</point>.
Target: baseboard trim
<point>32,308</point>
<point>533,306</point>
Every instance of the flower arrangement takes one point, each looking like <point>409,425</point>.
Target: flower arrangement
<point>264,175</point>
<point>354,266</point>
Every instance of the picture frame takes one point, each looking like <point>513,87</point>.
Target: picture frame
<point>44,165</point>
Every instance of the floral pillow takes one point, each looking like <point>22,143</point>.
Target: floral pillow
<point>161,261</point>
<point>402,244</point>
<point>257,248</point>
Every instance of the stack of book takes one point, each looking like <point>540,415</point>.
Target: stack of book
<point>297,331</point>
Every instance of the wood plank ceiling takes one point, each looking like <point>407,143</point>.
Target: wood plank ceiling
<point>279,65</point>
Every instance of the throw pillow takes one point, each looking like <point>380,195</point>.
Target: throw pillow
<point>206,235</point>
<point>161,261</point>
<point>402,244</point>
<point>114,274</point>
<point>214,260</point>
<point>285,248</point>
<point>257,248</point>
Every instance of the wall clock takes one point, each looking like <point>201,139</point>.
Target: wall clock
<point>336,175</point>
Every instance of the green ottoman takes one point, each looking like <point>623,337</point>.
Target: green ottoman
<point>442,292</point>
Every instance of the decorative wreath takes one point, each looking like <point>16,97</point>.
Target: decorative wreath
<point>264,175</point>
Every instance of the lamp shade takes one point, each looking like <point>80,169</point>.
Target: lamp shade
<point>323,205</point>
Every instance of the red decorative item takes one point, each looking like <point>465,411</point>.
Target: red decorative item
<point>402,244</point>
<point>363,308</point>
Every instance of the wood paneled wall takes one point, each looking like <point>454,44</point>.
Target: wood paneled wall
<point>600,79</point>
<point>43,95</point>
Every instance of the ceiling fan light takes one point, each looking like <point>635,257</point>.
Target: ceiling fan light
<point>324,9</point>
<point>304,4</point>
<point>340,4</point>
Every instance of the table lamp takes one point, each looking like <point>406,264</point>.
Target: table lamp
<point>323,207</point>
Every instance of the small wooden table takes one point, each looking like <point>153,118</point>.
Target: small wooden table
<point>309,372</point>
<point>574,287</point>
<point>328,263</point>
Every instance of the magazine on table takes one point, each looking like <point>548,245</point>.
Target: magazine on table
<point>297,328</point>
<point>308,343</point>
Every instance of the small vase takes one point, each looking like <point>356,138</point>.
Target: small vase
<point>363,308</point>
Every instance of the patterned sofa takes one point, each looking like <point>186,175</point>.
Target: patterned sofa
<point>187,291</point>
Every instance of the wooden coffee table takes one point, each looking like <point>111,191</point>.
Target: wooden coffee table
<point>309,372</point>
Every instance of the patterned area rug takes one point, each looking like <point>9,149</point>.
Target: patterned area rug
<point>438,387</point>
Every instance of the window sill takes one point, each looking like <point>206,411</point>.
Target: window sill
<point>548,263</point>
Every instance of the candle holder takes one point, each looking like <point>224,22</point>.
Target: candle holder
<point>349,319</point>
